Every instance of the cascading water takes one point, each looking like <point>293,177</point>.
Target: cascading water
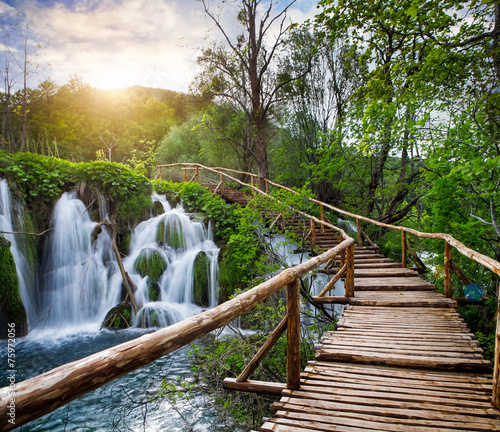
<point>24,271</point>
<point>177,245</point>
<point>74,273</point>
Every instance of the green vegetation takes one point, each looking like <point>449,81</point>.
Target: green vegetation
<point>150,263</point>
<point>11,306</point>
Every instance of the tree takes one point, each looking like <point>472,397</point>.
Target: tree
<point>398,40</point>
<point>315,108</point>
<point>241,71</point>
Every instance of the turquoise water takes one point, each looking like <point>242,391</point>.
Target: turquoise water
<point>127,404</point>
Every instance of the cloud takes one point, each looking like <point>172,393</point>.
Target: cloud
<point>119,43</point>
<point>115,43</point>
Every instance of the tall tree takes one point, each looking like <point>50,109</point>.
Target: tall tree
<point>241,70</point>
<point>315,107</point>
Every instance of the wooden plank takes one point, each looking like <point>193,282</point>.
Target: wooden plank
<point>409,386</point>
<point>401,360</point>
<point>254,386</point>
<point>414,415</point>
<point>384,272</point>
<point>392,283</point>
<point>408,424</point>
<point>337,393</point>
<point>373,405</point>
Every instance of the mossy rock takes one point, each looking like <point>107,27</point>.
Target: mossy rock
<point>118,317</point>
<point>150,263</point>
<point>11,306</point>
<point>200,279</point>
<point>171,237</point>
<point>157,208</point>
<point>154,291</point>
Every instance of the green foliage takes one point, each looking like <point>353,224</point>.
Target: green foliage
<point>201,270</point>
<point>152,264</point>
<point>11,306</point>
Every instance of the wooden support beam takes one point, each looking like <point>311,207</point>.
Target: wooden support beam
<point>349,277</point>
<point>447,269</point>
<point>293,335</point>
<point>415,257</point>
<point>184,178</point>
<point>264,349</point>
<point>458,271</point>
<point>331,300</point>
<point>275,220</point>
<point>332,283</point>
<point>368,239</point>
<point>403,249</point>
<point>196,175</point>
<point>254,386</point>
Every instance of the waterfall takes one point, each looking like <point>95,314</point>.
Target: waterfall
<point>78,280</point>
<point>74,272</point>
<point>176,243</point>
<point>24,271</point>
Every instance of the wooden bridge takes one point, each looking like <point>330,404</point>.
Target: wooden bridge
<point>401,358</point>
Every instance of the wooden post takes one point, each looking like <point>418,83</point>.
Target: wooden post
<point>349,276</point>
<point>447,269</point>
<point>293,335</point>
<point>403,248</point>
<point>313,234</point>
<point>267,187</point>
<point>159,172</point>
<point>342,258</point>
<point>322,218</point>
<point>184,178</point>
<point>221,180</point>
<point>359,231</point>
<point>252,181</point>
<point>196,175</point>
<point>495,400</point>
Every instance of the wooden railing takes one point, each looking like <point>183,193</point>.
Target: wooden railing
<point>449,243</point>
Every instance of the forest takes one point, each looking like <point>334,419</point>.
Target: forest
<point>389,109</point>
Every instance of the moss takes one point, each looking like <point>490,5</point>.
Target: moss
<point>172,236</point>
<point>200,279</point>
<point>150,263</point>
<point>11,306</point>
<point>118,317</point>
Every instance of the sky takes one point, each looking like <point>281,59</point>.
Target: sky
<point>114,43</point>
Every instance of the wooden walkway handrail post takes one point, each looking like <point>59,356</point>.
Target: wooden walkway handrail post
<point>359,232</point>
<point>447,269</point>
<point>322,212</point>
<point>495,399</point>
<point>184,177</point>
<point>293,334</point>
<point>313,234</point>
<point>403,249</point>
<point>349,277</point>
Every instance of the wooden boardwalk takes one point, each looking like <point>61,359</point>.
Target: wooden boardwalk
<point>401,360</point>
